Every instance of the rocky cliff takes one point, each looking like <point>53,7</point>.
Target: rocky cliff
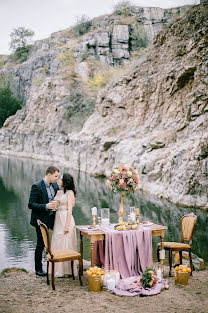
<point>154,116</point>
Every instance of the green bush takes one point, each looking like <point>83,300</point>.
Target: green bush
<point>1,62</point>
<point>21,54</point>
<point>123,7</point>
<point>83,25</point>
<point>8,104</point>
<point>139,38</point>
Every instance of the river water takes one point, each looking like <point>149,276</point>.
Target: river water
<point>18,238</point>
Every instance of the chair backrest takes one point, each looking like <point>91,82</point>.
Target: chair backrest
<point>188,223</point>
<point>46,236</point>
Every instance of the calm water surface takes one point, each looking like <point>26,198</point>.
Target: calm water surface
<point>17,236</point>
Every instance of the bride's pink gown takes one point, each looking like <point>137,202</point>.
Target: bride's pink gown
<point>61,241</point>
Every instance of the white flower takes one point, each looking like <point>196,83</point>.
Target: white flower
<point>129,173</point>
<point>116,171</point>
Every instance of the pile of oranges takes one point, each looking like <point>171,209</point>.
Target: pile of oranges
<point>95,271</point>
<point>182,269</point>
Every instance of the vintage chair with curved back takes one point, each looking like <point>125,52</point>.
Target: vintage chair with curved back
<point>58,255</point>
<point>188,223</point>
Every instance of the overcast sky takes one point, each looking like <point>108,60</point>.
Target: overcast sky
<point>47,16</point>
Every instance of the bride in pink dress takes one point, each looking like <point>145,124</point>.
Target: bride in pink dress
<point>64,232</point>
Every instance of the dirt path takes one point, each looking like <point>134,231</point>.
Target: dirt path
<point>24,292</point>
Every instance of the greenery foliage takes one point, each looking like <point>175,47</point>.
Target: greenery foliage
<point>20,43</point>
<point>8,104</point>
<point>1,62</point>
<point>139,37</point>
<point>21,54</point>
<point>20,37</point>
<point>123,7</point>
<point>149,278</point>
<point>82,26</point>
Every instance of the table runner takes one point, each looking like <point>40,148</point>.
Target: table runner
<point>129,252</point>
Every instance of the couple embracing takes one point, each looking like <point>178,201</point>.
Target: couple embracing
<point>51,201</point>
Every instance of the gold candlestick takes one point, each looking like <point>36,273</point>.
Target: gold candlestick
<point>137,213</point>
<point>99,221</point>
<point>94,220</point>
<point>128,219</point>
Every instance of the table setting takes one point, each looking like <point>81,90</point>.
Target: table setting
<point>122,249</point>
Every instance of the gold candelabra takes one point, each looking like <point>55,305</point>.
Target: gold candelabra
<point>94,220</point>
<point>137,213</point>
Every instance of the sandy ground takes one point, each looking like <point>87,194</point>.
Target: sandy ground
<point>24,292</point>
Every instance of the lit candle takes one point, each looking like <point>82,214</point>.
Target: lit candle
<point>111,283</point>
<point>132,216</point>
<point>94,211</point>
<point>162,254</point>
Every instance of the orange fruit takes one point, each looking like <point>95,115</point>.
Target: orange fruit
<point>184,270</point>
<point>177,268</point>
<point>188,270</point>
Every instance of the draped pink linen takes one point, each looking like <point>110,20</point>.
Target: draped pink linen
<point>99,258</point>
<point>129,252</point>
<point>131,286</point>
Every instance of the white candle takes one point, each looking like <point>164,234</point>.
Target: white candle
<point>105,222</point>
<point>94,211</point>
<point>159,275</point>
<point>110,283</point>
<point>105,278</point>
<point>132,216</point>
<point>162,254</point>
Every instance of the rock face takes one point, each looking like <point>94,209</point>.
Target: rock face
<point>154,117</point>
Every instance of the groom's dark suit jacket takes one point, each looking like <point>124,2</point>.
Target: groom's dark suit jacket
<point>37,203</point>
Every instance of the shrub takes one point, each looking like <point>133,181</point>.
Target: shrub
<point>1,62</point>
<point>8,104</point>
<point>139,37</point>
<point>99,80</point>
<point>123,7</point>
<point>21,54</point>
<point>83,25</point>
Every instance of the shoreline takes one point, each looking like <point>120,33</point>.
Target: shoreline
<point>22,291</point>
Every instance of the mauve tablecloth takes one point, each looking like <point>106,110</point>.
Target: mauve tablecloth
<point>129,252</point>
<point>131,286</point>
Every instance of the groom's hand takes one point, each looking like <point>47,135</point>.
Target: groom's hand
<point>51,205</point>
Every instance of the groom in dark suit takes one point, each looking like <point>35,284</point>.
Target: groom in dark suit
<point>41,203</point>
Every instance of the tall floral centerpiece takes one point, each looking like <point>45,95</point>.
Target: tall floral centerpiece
<point>123,179</point>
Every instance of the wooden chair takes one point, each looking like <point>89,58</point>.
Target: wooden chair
<point>58,255</point>
<point>188,223</point>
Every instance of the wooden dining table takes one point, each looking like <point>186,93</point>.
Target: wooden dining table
<point>95,235</point>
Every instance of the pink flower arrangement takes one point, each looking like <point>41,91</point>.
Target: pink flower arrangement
<point>123,178</point>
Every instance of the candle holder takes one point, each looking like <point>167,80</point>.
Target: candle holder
<point>94,220</point>
<point>105,217</point>
<point>128,219</point>
<point>137,213</point>
<point>99,221</point>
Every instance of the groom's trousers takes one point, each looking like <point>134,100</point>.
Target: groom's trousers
<point>39,250</point>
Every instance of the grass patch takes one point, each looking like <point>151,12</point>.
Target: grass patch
<point>9,270</point>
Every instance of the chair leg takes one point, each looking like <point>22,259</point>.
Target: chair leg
<point>53,278</point>
<point>180,253</point>
<point>170,261</point>
<point>72,268</point>
<point>80,272</point>
<point>47,273</point>
<point>191,264</point>
<point>158,254</point>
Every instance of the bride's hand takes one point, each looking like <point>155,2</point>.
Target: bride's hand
<point>66,230</point>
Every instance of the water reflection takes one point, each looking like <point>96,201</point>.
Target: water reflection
<point>18,238</point>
